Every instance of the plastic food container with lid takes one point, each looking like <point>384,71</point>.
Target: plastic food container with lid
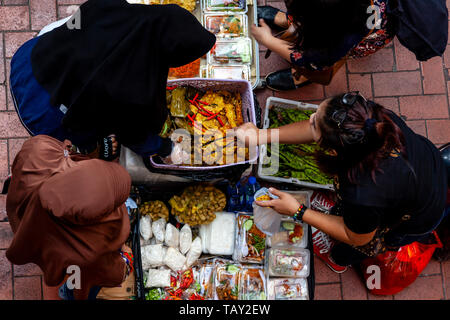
<point>250,241</point>
<point>227,25</point>
<point>288,262</point>
<point>225,5</point>
<point>291,233</point>
<point>231,52</point>
<point>230,72</point>
<point>252,283</point>
<point>226,279</point>
<point>287,289</point>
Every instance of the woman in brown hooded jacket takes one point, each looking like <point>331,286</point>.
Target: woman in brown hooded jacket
<point>65,210</point>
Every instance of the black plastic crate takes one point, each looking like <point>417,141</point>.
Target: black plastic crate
<point>144,193</point>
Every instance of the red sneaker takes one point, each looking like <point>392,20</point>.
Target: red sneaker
<point>322,244</point>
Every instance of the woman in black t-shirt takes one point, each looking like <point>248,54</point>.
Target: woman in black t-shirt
<point>386,176</point>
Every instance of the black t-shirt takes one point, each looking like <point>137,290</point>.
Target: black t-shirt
<point>416,186</point>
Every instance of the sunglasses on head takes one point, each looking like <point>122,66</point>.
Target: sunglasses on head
<point>348,99</point>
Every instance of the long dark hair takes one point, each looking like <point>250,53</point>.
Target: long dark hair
<point>322,24</point>
<point>360,132</point>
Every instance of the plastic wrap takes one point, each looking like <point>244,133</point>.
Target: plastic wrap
<point>185,239</point>
<point>226,26</point>
<point>172,236</point>
<point>266,219</point>
<point>152,256</point>
<point>226,5</point>
<point>288,289</point>
<point>174,259</point>
<point>220,234</point>
<point>231,52</point>
<point>229,72</point>
<point>226,280</point>
<point>194,253</point>
<point>250,241</point>
<point>158,278</point>
<point>203,274</point>
<point>145,228</point>
<point>252,284</point>
<point>159,229</point>
<point>288,262</point>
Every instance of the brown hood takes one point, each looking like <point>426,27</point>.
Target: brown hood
<point>68,210</point>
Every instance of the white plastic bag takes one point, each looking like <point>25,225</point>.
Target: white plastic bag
<point>172,236</point>
<point>185,239</point>
<point>266,219</point>
<point>174,259</point>
<point>145,227</point>
<point>194,252</point>
<point>152,256</point>
<point>220,234</point>
<point>159,229</point>
<point>158,278</point>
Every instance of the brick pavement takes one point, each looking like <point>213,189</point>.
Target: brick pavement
<point>417,91</point>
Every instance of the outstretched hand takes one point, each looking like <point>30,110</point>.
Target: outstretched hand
<point>262,33</point>
<point>286,204</point>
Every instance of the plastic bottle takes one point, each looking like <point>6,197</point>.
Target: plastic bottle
<point>235,197</point>
<point>250,189</point>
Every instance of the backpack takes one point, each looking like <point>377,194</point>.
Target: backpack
<point>421,26</point>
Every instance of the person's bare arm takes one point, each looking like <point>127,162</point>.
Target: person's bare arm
<point>329,224</point>
<point>335,227</point>
<point>293,133</point>
<point>264,36</point>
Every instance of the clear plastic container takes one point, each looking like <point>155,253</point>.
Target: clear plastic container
<point>288,262</point>
<point>231,52</point>
<point>287,289</point>
<point>250,241</point>
<point>230,72</point>
<point>227,26</point>
<point>252,284</point>
<point>291,234</point>
<point>203,276</point>
<point>226,280</point>
<point>226,5</point>
<point>266,219</point>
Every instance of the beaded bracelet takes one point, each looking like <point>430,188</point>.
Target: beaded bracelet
<point>298,216</point>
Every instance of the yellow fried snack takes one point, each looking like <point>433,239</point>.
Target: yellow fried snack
<point>155,209</point>
<point>189,5</point>
<point>197,204</point>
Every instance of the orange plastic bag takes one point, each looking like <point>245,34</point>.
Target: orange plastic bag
<point>398,269</point>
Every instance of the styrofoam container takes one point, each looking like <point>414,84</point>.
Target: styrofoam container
<point>286,104</point>
<point>248,114</point>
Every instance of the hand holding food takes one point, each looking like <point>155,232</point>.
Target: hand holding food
<point>286,204</point>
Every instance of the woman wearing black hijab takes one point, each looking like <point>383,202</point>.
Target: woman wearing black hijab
<point>107,75</point>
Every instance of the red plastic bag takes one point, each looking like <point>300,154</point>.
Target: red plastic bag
<point>397,269</point>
